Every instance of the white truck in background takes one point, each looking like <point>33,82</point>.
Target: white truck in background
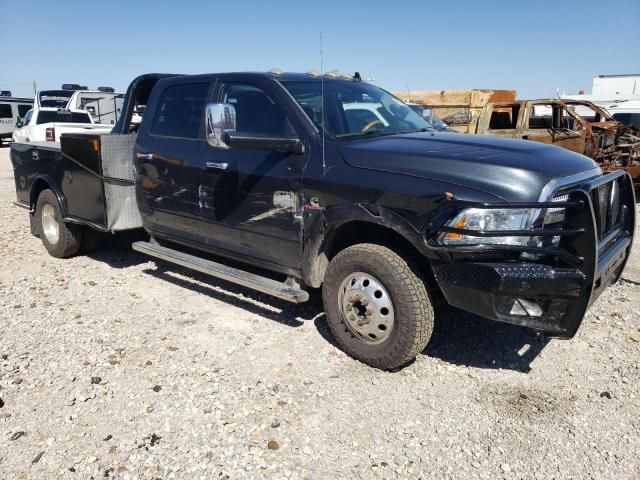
<point>53,114</point>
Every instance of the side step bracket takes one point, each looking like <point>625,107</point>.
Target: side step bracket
<point>286,291</point>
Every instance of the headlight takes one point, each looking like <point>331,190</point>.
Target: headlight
<point>483,220</point>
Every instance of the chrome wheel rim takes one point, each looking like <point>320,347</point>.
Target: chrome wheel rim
<point>50,227</point>
<point>366,308</point>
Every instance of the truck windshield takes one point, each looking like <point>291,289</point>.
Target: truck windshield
<point>62,117</point>
<point>353,109</point>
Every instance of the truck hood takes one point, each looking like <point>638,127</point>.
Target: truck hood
<point>514,170</point>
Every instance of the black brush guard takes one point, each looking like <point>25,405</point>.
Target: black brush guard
<point>563,280</point>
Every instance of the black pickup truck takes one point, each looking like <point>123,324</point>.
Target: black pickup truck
<point>326,181</point>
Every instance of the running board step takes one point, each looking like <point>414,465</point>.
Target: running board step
<point>230,274</point>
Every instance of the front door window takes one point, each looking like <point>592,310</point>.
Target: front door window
<point>256,113</point>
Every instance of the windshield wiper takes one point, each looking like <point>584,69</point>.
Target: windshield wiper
<point>369,132</point>
<point>424,129</point>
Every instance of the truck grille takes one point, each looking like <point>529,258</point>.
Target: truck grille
<point>606,205</point>
<point>556,215</point>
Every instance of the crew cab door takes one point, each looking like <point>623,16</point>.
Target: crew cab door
<point>252,198</point>
<point>553,123</point>
<point>169,158</point>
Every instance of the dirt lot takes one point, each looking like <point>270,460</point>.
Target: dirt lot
<point>115,366</point>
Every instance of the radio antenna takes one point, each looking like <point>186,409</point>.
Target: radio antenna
<point>324,165</point>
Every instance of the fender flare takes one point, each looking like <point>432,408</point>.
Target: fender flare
<point>321,225</point>
<point>53,186</point>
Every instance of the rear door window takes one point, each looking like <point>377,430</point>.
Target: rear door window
<point>504,117</point>
<point>180,111</point>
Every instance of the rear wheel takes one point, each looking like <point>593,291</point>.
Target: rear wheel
<point>377,306</point>
<point>33,224</point>
<point>59,238</point>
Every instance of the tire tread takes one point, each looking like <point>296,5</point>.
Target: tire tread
<point>70,234</point>
<point>419,323</point>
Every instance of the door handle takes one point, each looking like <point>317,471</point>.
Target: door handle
<point>144,156</point>
<point>216,165</point>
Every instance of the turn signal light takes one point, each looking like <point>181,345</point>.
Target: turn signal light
<point>459,224</point>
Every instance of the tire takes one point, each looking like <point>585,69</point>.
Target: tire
<point>409,329</point>
<point>33,225</point>
<point>68,239</point>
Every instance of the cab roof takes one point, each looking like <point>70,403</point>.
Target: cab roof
<point>284,76</point>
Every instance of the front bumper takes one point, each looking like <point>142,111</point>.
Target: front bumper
<point>553,296</point>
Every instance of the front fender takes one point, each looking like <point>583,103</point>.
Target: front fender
<point>322,226</point>
<point>385,217</point>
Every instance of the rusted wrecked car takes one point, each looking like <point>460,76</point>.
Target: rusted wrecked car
<point>575,125</point>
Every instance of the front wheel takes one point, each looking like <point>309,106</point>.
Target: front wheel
<point>59,238</point>
<point>377,306</point>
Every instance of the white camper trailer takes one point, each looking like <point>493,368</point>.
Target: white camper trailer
<point>607,90</point>
<point>11,109</point>
<point>104,105</point>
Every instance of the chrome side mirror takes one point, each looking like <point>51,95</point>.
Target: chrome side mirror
<point>221,118</point>
<point>19,122</point>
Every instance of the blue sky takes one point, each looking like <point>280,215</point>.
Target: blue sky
<point>533,47</point>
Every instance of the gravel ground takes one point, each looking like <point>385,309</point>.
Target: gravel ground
<point>115,366</point>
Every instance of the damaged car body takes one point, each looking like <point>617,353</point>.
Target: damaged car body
<point>323,181</point>
<point>577,125</point>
